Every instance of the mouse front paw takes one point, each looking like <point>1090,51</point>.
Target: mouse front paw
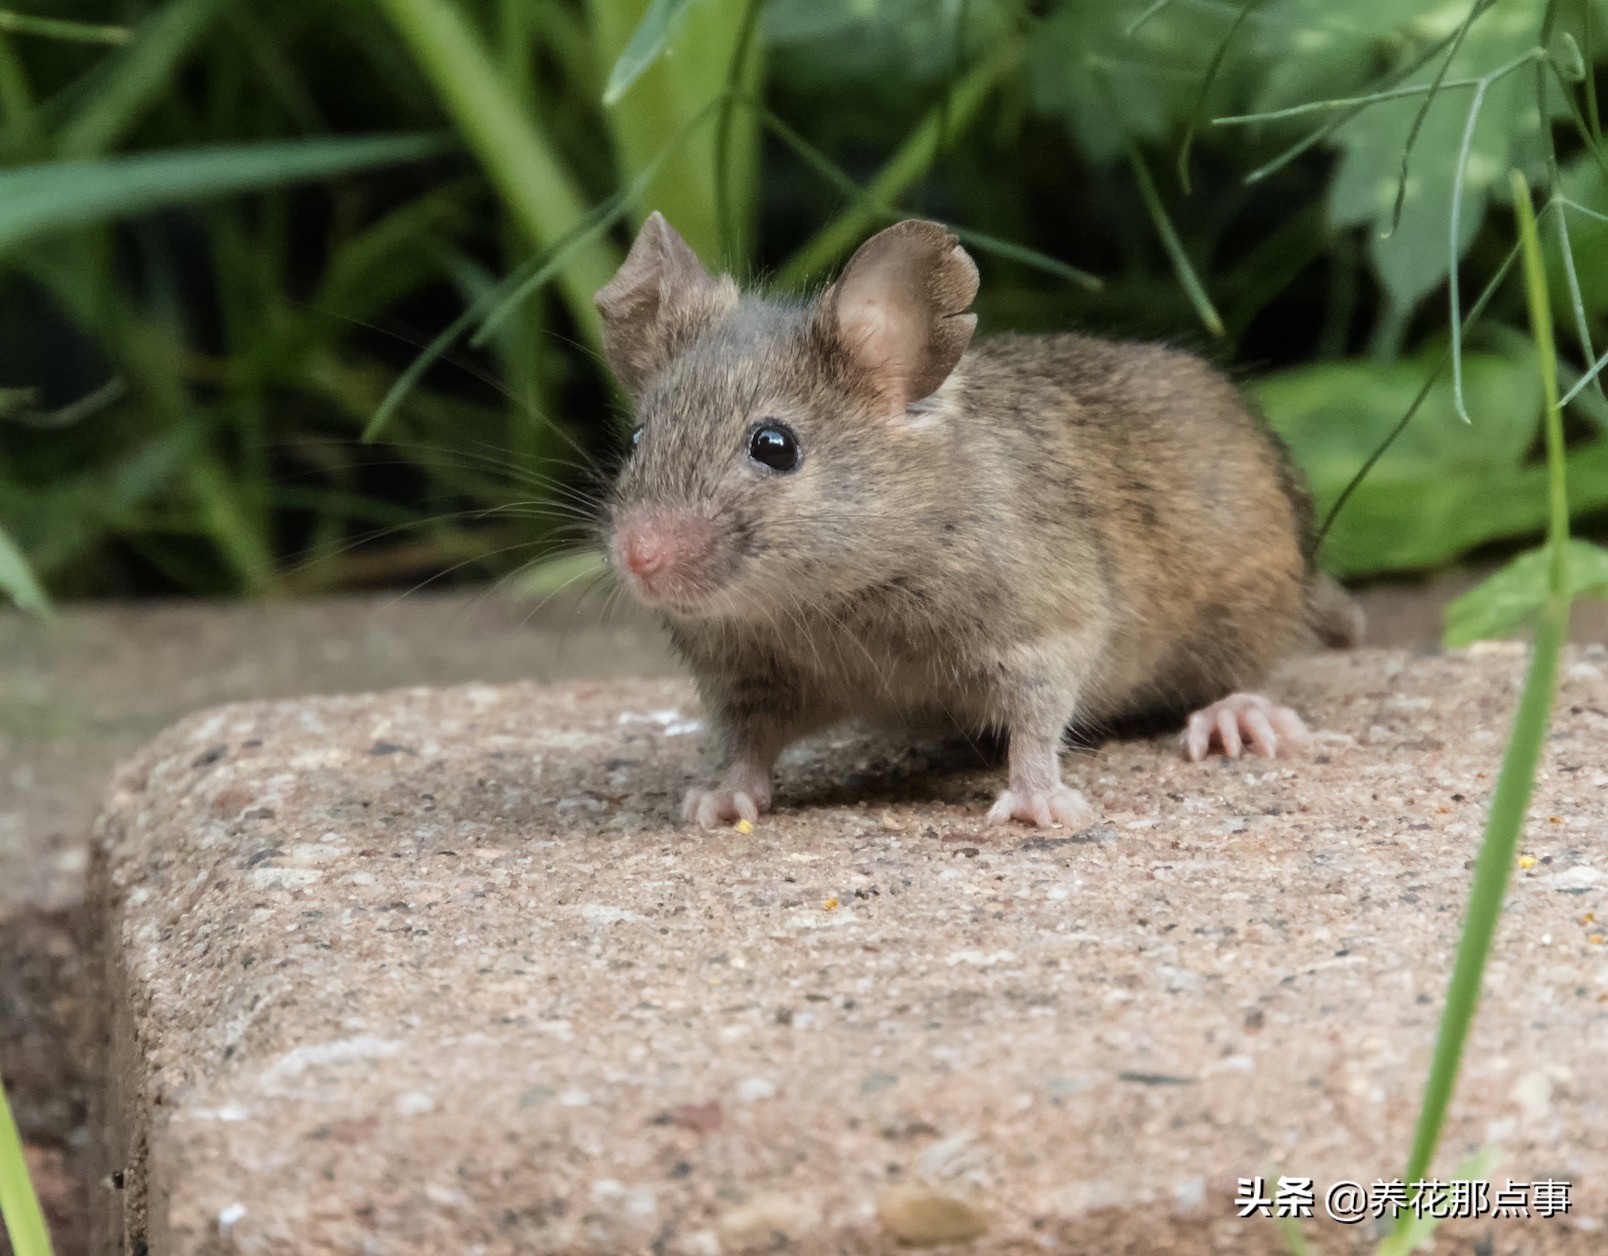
<point>1061,805</point>
<point>711,808</point>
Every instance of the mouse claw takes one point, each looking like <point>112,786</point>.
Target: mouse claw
<point>1271,731</point>
<point>1062,805</point>
<point>711,808</point>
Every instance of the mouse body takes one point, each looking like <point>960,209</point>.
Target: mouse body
<point>843,508</point>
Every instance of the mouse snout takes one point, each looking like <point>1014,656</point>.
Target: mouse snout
<point>668,551</point>
<point>643,550</point>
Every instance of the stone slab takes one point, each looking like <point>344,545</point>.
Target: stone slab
<point>434,971</point>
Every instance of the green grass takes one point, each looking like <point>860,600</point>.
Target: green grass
<point>19,1206</point>
<point>1510,804</point>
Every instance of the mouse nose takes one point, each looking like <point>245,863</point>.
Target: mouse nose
<point>644,550</point>
<point>660,545</point>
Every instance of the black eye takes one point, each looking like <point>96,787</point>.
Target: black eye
<point>773,445</point>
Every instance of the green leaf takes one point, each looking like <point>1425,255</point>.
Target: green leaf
<point>17,578</point>
<point>1445,486</point>
<point>1509,599</point>
<point>39,200</point>
<point>646,45</point>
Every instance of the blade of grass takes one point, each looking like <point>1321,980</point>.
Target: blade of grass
<point>518,158</point>
<point>17,579</point>
<point>1182,267</point>
<point>646,45</point>
<point>1516,780</point>
<point>907,165</point>
<point>1197,115</point>
<point>1421,1227</point>
<point>1474,11</point>
<point>131,82</point>
<point>41,199</point>
<point>59,28</point>
<point>19,1206</point>
<point>839,178</point>
<point>598,220</point>
<point>736,69</point>
<point>498,301</point>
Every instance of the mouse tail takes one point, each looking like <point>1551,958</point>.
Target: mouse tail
<point>1333,614</point>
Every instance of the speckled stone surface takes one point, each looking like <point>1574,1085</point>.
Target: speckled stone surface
<point>434,971</point>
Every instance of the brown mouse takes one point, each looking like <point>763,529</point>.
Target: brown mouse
<point>843,507</point>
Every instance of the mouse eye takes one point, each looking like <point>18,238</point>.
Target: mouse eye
<point>773,445</point>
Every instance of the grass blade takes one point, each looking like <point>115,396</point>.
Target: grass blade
<point>1475,9</point>
<point>133,80</point>
<point>907,165</point>
<point>1198,114</point>
<point>1516,780</point>
<point>1183,268</point>
<point>984,243</point>
<point>598,220</point>
<point>25,1224</point>
<point>646,45</point>
<point>58,28</point>
<point>38,200</point>
<point>17,579</point>
<point>539,190</point>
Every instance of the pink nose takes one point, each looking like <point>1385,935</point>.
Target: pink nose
<point>657,544</point>
<point>644,549</point>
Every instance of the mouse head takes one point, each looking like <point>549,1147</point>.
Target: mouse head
<point>785,454</point>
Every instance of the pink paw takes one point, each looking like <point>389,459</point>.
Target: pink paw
<point>1061,805</point>
<point>1243,718</point>
<point>710,808</point>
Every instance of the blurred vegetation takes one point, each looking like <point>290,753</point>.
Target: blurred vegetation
<point>228,231</point>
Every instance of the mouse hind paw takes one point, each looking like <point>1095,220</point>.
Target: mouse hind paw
<point>1244,721</point>
<point>1044,807</point>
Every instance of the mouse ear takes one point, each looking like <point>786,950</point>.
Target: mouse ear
<point>899,308</point>
<point>660,298</point>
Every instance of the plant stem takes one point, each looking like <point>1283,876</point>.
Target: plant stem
<point>1517,778</point>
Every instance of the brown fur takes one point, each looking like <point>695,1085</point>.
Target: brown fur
<point>1069,531</point>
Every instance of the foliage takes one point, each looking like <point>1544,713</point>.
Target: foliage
<point>1302,188</point>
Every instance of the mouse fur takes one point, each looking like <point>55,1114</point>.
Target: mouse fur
<point>1017,534</point>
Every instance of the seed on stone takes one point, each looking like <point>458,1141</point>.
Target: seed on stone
<point>924,1218</point>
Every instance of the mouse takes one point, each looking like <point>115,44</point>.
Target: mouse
<point>848,506</point>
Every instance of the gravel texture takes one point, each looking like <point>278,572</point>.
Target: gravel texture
<point>434,971</point>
